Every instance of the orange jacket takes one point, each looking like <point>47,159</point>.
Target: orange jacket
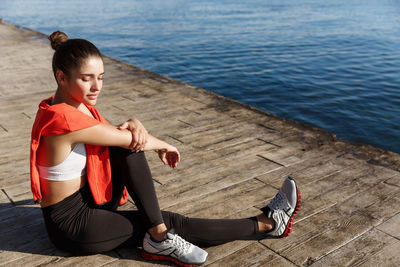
<point>63,118</point>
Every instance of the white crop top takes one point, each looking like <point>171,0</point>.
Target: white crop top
<point>73,167</point>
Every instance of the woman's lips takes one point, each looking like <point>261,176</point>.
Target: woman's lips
<point>93,97</point>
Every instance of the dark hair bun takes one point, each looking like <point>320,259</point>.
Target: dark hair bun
<point>57,38</point>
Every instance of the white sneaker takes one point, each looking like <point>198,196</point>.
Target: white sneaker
<point>174,248</point>
<point>283,207</point>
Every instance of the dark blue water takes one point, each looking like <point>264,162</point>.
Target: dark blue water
<point>333,64</point>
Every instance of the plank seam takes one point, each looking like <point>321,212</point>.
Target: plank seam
<point>155,180</point>
<point>239,142</point>
<point>392,184</point>
<point>120,109</point>
<point>9,198</point>
<point>198,113</point>
<point>128,98</point>
<point>176,139</point>
<point>258,179</point>
<point>197,101</point>
<point>266,127</point>
<point>277,253</point>
<point>184,122</point>
<point>26,115</point>
<point>113,260</point>
<point>395,237</point>
<point>3,128</point>
<point>273,161</point>
<point>268,142</point>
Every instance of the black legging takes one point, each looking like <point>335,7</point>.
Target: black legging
<point>77,225</point>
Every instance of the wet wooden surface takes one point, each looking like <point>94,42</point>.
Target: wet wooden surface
<point>234,158</point>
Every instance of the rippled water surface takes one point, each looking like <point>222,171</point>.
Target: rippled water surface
<point>333,64</point>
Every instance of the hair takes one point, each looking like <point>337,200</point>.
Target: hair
<point>70,53</point>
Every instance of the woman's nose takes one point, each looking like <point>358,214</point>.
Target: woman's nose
<point>96,85</point>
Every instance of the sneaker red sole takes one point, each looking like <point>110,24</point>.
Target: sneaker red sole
<point>154,257</point>
<point>288,229</point>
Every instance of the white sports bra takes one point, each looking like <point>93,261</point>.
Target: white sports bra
<point>73,167</point>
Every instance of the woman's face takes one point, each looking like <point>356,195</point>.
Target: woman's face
<point>84,84</point>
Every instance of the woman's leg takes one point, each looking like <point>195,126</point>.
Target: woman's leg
<point>74,225</point>
<point>210,232</point>
<point>131,170</point>
<point>135,173</point>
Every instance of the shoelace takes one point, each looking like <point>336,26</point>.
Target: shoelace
<point>181,244</point>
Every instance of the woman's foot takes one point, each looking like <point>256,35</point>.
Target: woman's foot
<point>283,207</point>
<point>175,249</point>
<point>158,233</point>
<point>265,224</point>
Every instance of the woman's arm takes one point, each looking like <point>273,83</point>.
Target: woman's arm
<point>101,134</point>
<point>139,133</point>
<point>107,135</point>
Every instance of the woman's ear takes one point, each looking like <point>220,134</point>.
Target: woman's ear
<point>61,77</point>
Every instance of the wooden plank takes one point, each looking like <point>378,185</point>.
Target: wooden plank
<point>217,253</point>
<point>395,180</point>
<point>15,217</point>
<point>254,254</point>
<point>20,174</point>
<point>16,241</point>
<point>208,164</point>
<point>199,190</point>
<point>312,168</point>
<point>38,252</point>
<point>284,156</point>
<point>213,138</point>
<point>208,182</point>
<point>331,190</point>
<point>15,170</point>
<point>4,201</point>
<point>320,194</point>
<point>20,192</point>
<point>359,251</point>
<point>388,256</point>
<point>391,226</point>
<point>91,260</point>
<point>201,124</point>
<point>230,200</point>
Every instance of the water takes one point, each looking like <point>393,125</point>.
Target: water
<point>333,64</point>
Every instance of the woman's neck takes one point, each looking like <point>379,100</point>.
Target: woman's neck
<point>61,97</point>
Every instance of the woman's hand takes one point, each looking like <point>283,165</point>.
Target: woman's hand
<point>170,156</point>
<point>140,135</point>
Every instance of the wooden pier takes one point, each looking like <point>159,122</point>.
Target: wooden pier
<point>234,158</point>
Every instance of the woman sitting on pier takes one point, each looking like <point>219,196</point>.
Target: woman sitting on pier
<point>81,167</point>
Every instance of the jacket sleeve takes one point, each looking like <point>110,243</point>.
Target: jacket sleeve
<point>66,119</point>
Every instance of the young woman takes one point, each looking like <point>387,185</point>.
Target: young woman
<point>81,165</point>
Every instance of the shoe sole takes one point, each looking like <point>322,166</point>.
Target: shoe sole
<point>154,257</point>
<point>288,229</point>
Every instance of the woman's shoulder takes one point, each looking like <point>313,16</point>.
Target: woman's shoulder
<point>61,118</point>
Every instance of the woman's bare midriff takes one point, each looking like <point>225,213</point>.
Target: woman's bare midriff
<point>55,191</point>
